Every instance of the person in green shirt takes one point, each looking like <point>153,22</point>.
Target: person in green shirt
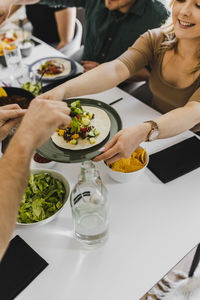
<point>110,26</point>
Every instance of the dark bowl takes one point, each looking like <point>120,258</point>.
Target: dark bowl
<point>23,103</point>
<point>18,95</point>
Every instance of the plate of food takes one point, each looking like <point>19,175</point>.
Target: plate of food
<point>93,124</point>
<point>14,35</point>
<point>53,68</point>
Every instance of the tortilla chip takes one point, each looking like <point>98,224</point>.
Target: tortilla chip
<point>135,162</point>
<point>3,92</point>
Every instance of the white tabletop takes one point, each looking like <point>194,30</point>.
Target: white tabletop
<point>152,226</point>
<point>40,51</point>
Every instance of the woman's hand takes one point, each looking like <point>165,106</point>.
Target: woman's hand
<point>124,143</point>
<point>10,116</point>
<point>57,94</point>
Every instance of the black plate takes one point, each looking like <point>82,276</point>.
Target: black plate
<point>41,61</point>
<point>53,152</point>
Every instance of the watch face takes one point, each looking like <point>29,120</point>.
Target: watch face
<point>154,134</point>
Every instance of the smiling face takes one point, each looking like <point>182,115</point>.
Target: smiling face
<point>121,5</point>
<point>186,19</point>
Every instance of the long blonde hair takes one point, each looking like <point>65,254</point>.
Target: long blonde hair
<point>171,41</point>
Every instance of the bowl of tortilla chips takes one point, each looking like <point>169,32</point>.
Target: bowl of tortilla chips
<point>128,169</point>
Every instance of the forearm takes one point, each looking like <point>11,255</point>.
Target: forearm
<point>22,2</point>
<point>14,172</point>
<point>179,120</point>
<point>66,24</point>
<point>103,77</point>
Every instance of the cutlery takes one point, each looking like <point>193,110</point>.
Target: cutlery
<point>115,101</point>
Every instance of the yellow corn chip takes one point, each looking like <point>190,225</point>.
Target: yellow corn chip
<point>3,92</point>
<point>135,162</point>
<point>143,157</point>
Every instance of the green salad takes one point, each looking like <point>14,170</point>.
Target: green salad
<point>43,197</point>
<point>34,88</point>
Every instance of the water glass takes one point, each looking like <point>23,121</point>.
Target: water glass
<point>13,56</point>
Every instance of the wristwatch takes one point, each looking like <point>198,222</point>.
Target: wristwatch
<point>154,132</point>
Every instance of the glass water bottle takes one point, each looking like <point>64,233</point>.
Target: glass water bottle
<point>90,206</point>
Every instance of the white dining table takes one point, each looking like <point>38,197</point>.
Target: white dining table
<point>152,227</point>
<point>41,50</point>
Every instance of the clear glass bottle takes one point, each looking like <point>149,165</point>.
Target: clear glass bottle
<point>90,206</point>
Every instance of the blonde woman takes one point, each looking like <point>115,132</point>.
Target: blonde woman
<point>174,55</point>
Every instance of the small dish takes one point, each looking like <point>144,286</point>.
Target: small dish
<point>39,161</point>
<point>26,47</point>
<point>128,176</point>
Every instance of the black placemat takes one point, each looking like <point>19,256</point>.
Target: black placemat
<point>176,160</point>
<point>19,266</point>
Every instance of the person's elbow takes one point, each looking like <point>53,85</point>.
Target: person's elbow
<point>193,108</point>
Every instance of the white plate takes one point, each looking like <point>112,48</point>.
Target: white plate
<point>69,68</point>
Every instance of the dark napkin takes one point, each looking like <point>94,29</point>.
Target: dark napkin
<point>19,266</point>
<point>176,160</point>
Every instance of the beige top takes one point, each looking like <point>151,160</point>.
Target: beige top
<point>165,96</point>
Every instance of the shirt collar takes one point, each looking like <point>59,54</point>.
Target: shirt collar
<point>139,7</point>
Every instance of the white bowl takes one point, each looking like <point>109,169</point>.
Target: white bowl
<point>125,177</point>
<point>62,178</point>
<point>26,48</point>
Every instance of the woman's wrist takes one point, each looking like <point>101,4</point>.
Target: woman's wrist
<point>144,131</point>
<point>65,90</point>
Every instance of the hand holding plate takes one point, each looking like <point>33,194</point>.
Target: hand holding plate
<point>123,144</point>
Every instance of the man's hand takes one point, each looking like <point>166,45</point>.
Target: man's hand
<point>10,116</point>
<point>89,65</point>
<point>41,120</point>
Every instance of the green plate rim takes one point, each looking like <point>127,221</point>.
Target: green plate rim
<point>75,156</point>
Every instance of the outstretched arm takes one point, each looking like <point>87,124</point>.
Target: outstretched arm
<point>14,165</point>
<point>170,124</point>
<point>103,77</point>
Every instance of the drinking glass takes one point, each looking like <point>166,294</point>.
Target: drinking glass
<point>13,57</point>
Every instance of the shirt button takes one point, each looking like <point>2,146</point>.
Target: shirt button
<point>110,39</point>
<point>103,54</point>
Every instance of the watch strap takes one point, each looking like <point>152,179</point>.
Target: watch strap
<point>154,126</point>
